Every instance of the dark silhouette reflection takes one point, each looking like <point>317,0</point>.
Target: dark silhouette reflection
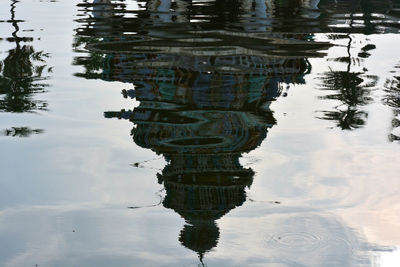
<point>21,132</point>
<point>392,99</point>
<point>22,75</point>
<point>21,78</point>
<point>350,88</point>
<point>204,74</point>
<point>352,91</point>
<point>203,178</point>
<point>203,193</point>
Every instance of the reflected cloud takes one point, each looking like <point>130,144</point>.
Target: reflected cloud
<point>311,238</point>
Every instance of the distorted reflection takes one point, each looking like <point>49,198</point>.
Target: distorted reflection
<point>350,88</point>
<point>353,87</point>
<point>205,74</point>
<point>21,131</point>
<point>22,73</point>
<point>361,16</point>
<point>204,94</point>
<point>392,99</point>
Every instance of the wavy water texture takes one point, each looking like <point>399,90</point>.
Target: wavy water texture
<point>205,73</point>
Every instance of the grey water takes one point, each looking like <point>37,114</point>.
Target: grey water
<point>200,133</point>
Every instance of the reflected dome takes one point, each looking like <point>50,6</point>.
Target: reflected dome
<point>204,86</point>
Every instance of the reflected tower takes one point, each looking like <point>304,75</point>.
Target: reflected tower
<point>204,74</point>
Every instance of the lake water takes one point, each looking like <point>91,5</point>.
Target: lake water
<point>200,133</point>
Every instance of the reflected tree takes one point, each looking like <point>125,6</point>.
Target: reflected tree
<point>20,132</point>
<point>392,99</point>
<point>22,74</point>
<point>350,88</point>
<point>93,64</point>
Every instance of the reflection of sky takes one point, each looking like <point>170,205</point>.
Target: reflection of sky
<point>56,236</point>
<point>76,176</point>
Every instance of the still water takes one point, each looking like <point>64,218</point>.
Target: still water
<point>200,133</point>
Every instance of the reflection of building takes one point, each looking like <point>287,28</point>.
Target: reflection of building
<point>202,189</point>
<point>361,16</point>
<point>204,95</point>
<point>203,178</point>
<point>204,73</point>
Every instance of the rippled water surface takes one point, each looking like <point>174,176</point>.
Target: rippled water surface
<point>200,133</point>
